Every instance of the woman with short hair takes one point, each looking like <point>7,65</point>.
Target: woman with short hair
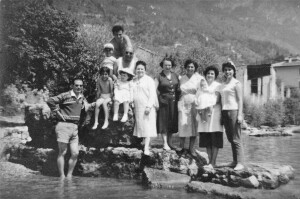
<point>167,84</point>
<point>211,132</point>
<point>187,123</point>
<point>232,113</point>
<point>145,105</point>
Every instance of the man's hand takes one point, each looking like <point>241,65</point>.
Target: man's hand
<point>60,115</point>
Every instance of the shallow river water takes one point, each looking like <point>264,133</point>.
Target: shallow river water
<point>277,150</point>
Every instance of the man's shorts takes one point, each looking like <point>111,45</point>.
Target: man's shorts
<point>66,132</point>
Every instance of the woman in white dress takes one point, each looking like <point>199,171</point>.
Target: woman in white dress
<point>211,131</point>
<point>145,105</point>
<point>187,123</point>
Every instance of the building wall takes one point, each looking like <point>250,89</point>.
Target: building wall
<point>290,75</point>
<point>266,88</point>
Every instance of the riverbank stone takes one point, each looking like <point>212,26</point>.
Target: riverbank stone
<point>266,176</point>
<point>12,121</point>
<point>269,131</point>
<point>155,178</point>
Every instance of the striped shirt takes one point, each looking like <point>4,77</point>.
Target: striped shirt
<point>68,104</point>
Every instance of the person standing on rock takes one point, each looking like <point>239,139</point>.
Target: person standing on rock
<point>68,107</point>
<point>187,123</point>
<point>145,105</point>
<point>211,132</point>
<point>167,85</point>
<point>120,41</point>
<point>232,113</point>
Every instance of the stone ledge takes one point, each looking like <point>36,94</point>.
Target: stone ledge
<point>214,189</point>
<point>155,178</point>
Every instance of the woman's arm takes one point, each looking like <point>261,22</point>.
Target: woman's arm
<point>156,85</point>
<point>238,90</point>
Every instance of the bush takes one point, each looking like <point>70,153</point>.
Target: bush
<point>292,108</point>
<point>14,97</point>
<point>254,113</point>
<point>274,113</point>
<point>271,113</point>
<point>43,46</point>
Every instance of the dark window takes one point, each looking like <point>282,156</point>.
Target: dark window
<point>261,86</point>
<point>254,84</point>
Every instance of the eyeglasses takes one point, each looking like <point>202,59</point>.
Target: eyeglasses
<point>108,49</point>
<point>129,53</point>
<point>78,85</point>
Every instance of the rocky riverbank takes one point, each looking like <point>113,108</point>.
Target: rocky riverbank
<point>119,156</point>
<point>265,131</point>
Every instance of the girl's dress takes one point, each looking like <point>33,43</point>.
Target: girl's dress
<point>123,91</point>
<point>144,95</point>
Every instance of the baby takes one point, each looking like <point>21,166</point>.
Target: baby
<point>105,89</point>
<point>205,101</point>
<point>123,93</point>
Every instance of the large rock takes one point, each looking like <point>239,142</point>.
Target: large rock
<point>40,127</point>
<point>41,124</point>
<point>10,170</point>
<point>117,162</point>
<point>124,162</point>
<point>155,178</point>
<point>12,136</point>
<point>37,159</point>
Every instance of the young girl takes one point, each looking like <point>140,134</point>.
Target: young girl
<point>123,93</point>
<point>205,101</point>
<point>109,60</point>
<point>105,89</point>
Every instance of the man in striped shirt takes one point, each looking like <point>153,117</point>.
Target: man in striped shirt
<point>68,107</point>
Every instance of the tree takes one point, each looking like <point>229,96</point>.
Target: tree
<point>43,46</point>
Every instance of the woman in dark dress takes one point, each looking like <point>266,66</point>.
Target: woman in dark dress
<point>167,84</point>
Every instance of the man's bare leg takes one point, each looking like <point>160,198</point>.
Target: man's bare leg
<point>62,150</point>
<point>73,159</point>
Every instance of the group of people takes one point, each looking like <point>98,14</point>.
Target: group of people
<point>190,104</point>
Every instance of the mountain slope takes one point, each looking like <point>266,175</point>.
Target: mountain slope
<point>245,30</point>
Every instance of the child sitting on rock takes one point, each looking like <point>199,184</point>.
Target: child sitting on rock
<point>105,89</point>
<point>109,60</point>
<point>123,93</point>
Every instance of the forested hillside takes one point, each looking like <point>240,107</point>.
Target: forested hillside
<point>248,31</point>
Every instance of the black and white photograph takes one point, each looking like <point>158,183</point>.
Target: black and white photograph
<point>150,99</point>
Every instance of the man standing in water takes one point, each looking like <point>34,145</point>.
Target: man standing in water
<point>68,107</point>
<point>120,41</point>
